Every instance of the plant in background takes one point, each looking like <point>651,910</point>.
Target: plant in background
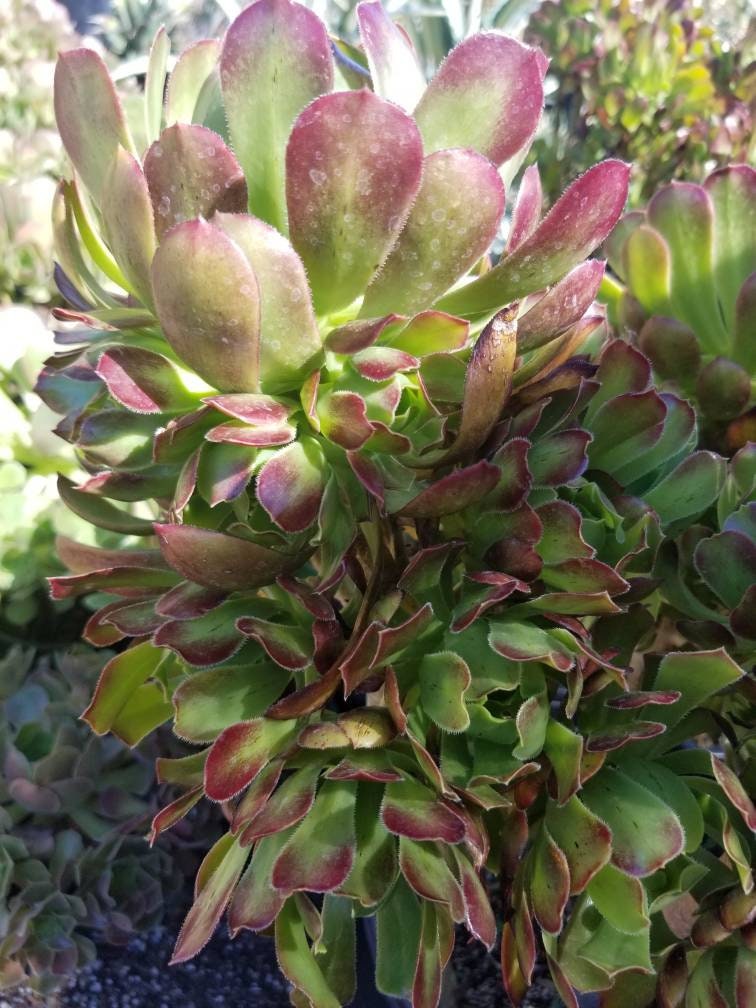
<point>32,32</point>
<point>689,295</point>
<point>643,80</point>
<point>400,577</point>
<point>31,513</point>
<point>74,866</point>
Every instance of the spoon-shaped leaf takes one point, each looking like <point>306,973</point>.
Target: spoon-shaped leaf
<point>191,173</point>
<point>487,94</point>
<point>219,561</point>
<point>577,223</point>
<point>289,336</point>
<point>393,64</point>
<point>276,58</point>
<point>208,303</point>
<point>353,168</point>
<point>451,225</point>
<point>89,116</point>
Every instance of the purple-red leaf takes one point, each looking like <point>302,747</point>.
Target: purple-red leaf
<point>577,223</point>
<point>211,901</point>
<point>347,205</point>
<point>219,561</point>
<point>208,302</point>
<point>412,810</point>
<point>527,208</point>
<point>487,95</point>
<point>320,854</point>
<point>563,306</point>
<point>276,58</point>
<point>192,173</point>
<point>451,225</point>
<point>239,754</point>
<point>454,492</point>
<point>290,485</point>
<point>143,381</point>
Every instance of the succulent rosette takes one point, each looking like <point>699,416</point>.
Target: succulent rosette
<point>74,866</point>
<point>687,264</point>
<point>402,538</point>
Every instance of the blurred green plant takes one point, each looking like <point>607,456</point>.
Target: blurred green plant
<point>31,514</point>
<point>687,294</point>
<point>644,80</point>
<point>32,32</point>
<point>74,808</point>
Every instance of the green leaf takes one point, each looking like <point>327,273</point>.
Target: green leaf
<point>276,58</point>
<point>338,958</point>
<point>444,679</point>
<point>297,962</point>
<point>689,489</point>
<point>119,679</point>
<point>211,901</point>
<point>615,951</point>
<point>399,915</point>
<point>697,675</point>
<point>320,854</point>
<point>154,84</point>
<point>646,833</point>
<point>207,702</point>
<point>620,899</point>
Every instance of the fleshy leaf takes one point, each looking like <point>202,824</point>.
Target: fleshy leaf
<point>683,214</point>
<point>290,485</point>
<point>444,678</point>
<point>549,882</point>
<point>240,753</point>
<point>220,561</point>
<point>478,913</point>
<point>646,834</point>
<point>733,192</point>
<point>210,902</point>
<point>454,492</point>
<point>192,173</point>
<point>119,679</point>
<point>393,64</point>
<point>143,381</point>
<point>527,209</point>
<point>450,226</point>
<point>320,854</point>
<point>194,67</point>
<point>487,95</point>
<point>207,702</point>
<point>689,489</point>
<point>727,563</point>
<point>296,959</point>
<point>584,839</point>
<point>129,222</point>
<point>412,810</point>
<point>563,306</point>
<point>288,805</point>
<point>289,339</point>
<point>255,903</point>
<point>427,872</point>
<point>207,298</point>
<point>206,640</point>
<point>347,206</point>
<point>488,383</point>
<point>276,58</point>
<point>577,223</point>
<point>89,116</point>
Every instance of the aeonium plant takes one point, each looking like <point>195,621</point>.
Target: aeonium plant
<point>391,508</point>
